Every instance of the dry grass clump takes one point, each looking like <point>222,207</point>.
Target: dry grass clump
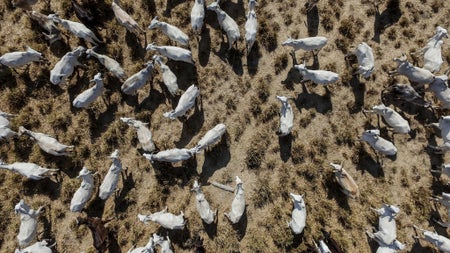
<point>267,33</point>
<point>281,234</point>
<point>256,243</point>
<point>268,113</point>
<point>350,27</point>
<point>298,153</point>
<point>280,63</point>
<point>326,19</point>
<point>437,5</point>
<point>257,150</point>
<point>263,193</point>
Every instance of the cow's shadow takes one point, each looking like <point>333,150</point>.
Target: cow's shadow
<point>387,18</point>
<point>285,143</point>
<point>216,158</point>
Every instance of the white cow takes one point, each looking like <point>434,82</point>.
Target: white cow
<point>432,50</point>
<point>317,76</point>
<point>444,125</point>
<point>171,52</point>
<point>164,244</point>
<point>406,92</point>
<point>125,19</point>
<point>171,155</point>
<point>149,247</point>
<point>378,143</point>
<point>197,16</point>
<point>29,170</point>
<point>211,137</point>
<point>78,29</point>
<point>20,58</point>
<point>38,247</point>
<point>47,24</point>
<point>47,143</point>
<point>111,179</point>
<point>394,247</point>
<point>345,180</point>
<point>169,78</point>
<point>298,217</point>
<point>286,117</point>
<point>414,74</point>
<point>87,97</point>
<point>251,29</point>
<point>6,133</point>
<point>366,61</point>
<point>143,133</point>
<point>439,87</point>
<point>445,201</point>
<point>84,193</point>
<point>387,230</point>
<point>441,242</point>
<point>28,222</point>
<point>238,204</point>
<point>252,5</point>
<point>226,23</point>
<point>186,102</point>
<point>110,64</point>
<point>392,118</point>
<point>306,44</point>
<point>65,66</point>
<point>165,219</point>
<point>138,80</point>
<point>173,32</point>
<point>207,215</point>
<point>4,122</point>
<point>322,247</point>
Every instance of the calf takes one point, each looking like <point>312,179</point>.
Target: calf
<point>98,231</point>
<point>169,78</point>
<point>29,170</point>
<point>28,222</point>
<point>348,185</point>
<point>47,143</point>
<point>317,76</point>
<point>441,242</point>
<point>226,23</point>
<point>387,230</point>
<point>173,32</point>
<point>186,102</point>
<point>298,217</point>
<point>111,179</point>
<point>211,137</point>
<point>17,59</point>
<point>87,97</point>
<point>286,117</point>
<point>125,19</point>
<point>143,133</point>
<point>238,204</point>
<point>84,193</point>
<point>65,66</point>
<point>392,118</point>
<point>378,143</point>
<point>110,64</point>
<point>165,219</point>
<point>138,80</point>
<point>78,29</point>
<point>171,155</point>
<point>414,74</point>
<point>174,53</point>
<point>207,215</point>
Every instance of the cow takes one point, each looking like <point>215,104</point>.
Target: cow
<point>78,29</point>
<point>47,143</point>
<point>65,66</point>
<point>110,64</point>
<point>345,180</point>
<point>143,133</point>
<point>98,230</point>
<point>211,137</point>
<point>87,97</point>
<point>207,215</point>
<point>186,102</point>
<point>138,80</point>
<point>317,76</point>
<point>171,52</point>
<point>164,244</point>
<point>28,222</point>
<point>366,61</point>
<point>173,32</point>
<point>53,33</point>
<point>197,16</point>
<point>238,204</point>
<point>286,117</point>
<point>385,147</point>
<point>387,230</point>
<point>441,242</point>
<point>125,19</point>
<point>29,170</point>
<point>392,118</point>
<point>171,155</point>
<point>251,29</point>
<point>169,78</point>
<point>84,193</point>
<point>165,219</point>
<point>111,179</point>
<point>148,248</point>
<point>415,74</point>
<point>20,58</point>
<point>226,23</point>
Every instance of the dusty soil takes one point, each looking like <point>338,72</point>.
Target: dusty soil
<point>238,91</point>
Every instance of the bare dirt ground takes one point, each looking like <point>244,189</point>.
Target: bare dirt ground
<point>238,91</point>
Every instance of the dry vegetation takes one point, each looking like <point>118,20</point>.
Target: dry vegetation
<point>239,92</point>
